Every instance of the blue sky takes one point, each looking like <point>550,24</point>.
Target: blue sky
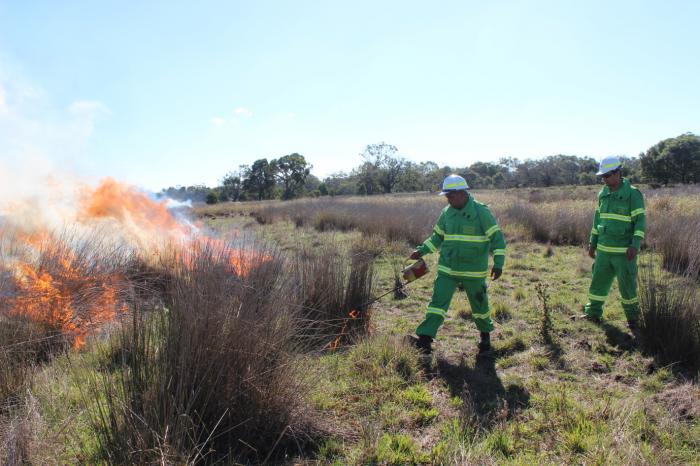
<point>167,93</point>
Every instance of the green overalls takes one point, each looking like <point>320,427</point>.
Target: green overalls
<point>619,223</point>
<point>465,237</point>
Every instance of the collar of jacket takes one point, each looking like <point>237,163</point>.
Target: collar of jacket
<point>469,208</point>
<point>622,190</point>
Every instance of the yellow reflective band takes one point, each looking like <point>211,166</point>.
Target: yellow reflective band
<point>429,244</point>
<point>622,218</point>
<point>461,184</point>
<point>439,230</point>
<point>611,249</point>
<point>611,165</point>
<point>456,273</point>
<point>482,316</point>
<point>499,252</point>
<point>492,230</point>
<point>594,297</point>
<point>639,233</point>
<point>434,310</point>
<point>594,231</point>
<point>467,238</point>
<point>636,212</point>
<point>634,300</point>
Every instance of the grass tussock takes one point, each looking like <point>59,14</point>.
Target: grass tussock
<point>334,290</point>
<point>213,374</point>
<point>670,318</point>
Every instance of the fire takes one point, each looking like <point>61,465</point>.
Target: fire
<point>56,283</point>
<point>62,295</point>
<point>352,315</point>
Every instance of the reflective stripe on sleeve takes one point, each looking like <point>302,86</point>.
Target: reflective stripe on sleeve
<point>636,212</point>
<point>499,252</point>
<point>429,244</point>
<point>439,230</point>
<point>492,230</point>
<point>594,231</point>
<point>639,233</point>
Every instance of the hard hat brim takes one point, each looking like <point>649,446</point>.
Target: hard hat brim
<point>601,173</point>
<point>452,191</point>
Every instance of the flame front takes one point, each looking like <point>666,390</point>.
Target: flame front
<point>74,292</point>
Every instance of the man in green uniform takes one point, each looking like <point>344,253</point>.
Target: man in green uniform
<point>618,230</point>
<point>465,234</point>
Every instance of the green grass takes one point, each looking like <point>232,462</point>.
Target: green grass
<point>590,398</point>
<point>582,401</point>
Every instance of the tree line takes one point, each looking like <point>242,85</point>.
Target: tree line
<point>383,170</point>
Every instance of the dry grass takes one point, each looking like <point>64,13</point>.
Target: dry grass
<point>670,318</point>
<point>215,374</point>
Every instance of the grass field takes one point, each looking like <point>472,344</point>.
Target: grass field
<point>556,391</point>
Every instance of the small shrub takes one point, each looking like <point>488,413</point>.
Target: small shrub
<point>546,321</point>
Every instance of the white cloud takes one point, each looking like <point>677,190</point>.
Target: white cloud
<point>90,109</point>
<point>217,121</point>
<point>243,112</point>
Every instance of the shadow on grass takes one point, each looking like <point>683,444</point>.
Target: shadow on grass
<point>481,388</point>
<point>619,339</point>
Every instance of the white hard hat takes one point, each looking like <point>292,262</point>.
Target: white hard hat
<point>454,183</point>
<point>609,164</point>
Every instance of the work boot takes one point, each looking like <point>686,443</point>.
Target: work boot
<point>423,343</point>
<point>485,343</point>
<point>633,324</point>
<point>594,319</point>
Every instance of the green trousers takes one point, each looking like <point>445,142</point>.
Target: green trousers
<point>606,267</point>
<point>443,291</point>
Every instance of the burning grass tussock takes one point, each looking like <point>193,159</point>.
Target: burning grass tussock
<point>334,290</point>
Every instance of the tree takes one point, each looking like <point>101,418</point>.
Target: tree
<point>232,184</point>
<point>291,170</point>
<point>387,167</point>
<point>212,198</point>
<point>260,179</point>
<point>673,159</point>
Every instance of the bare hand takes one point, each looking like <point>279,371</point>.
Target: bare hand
<point>496,273</point>
<point>591,252</point>
<point>415,255</point>
<point>631,253</point>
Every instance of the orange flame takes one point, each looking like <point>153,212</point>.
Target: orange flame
<point>61,293</point>
<point>65,298</point>
<point>353,314</point>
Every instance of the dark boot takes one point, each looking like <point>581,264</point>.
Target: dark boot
<point>485,343</point>
<point>423,343</point>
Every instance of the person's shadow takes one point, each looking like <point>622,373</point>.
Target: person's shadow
<point>484,395</point>
<point>623,341</point>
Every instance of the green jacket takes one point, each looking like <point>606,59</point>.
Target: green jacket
<point>620,219</point>
<point>465,237</point>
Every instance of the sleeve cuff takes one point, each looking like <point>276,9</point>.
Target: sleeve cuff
<point>636,242</point>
